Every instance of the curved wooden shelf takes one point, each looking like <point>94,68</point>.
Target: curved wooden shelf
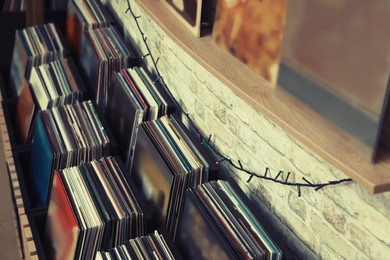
<point>276,104</point>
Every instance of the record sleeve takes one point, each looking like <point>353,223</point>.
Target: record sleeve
<point>123,116</point>
<point>61,229</point>
<point>41,163</point>
<point>197,237</point>
<point>25,111</point>
<point>154,178</point>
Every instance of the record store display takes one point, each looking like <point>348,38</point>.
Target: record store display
<point>64,136</point>
<point>97,176</point>
<point>91,208</point>
<point>56,83</point>
<point>102,52</point>
<point>34,46</point>
<point>151,246</point>
<point>165,164</point>
<point>83,15</point>
<point>216,224</point>
<point>133,99</point>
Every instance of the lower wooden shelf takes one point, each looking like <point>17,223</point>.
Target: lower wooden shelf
<point>26,240</point>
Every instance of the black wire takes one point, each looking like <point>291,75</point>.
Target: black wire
<point>207,142</point>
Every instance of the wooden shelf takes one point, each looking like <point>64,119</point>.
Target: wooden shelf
<point>277,105</point>
<point>26,243</point>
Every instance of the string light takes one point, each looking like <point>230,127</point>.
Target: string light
<point>239,162</point>
<point>207,142</point>
<point>288,175</point>
<point>303,178</point>
<point>277,176</point>
<point>266,171</point>
<point>146,55</point>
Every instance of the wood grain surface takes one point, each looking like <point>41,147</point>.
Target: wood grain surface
<point>26,244</point>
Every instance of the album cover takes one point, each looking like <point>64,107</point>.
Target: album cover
<point>123,115</point>
<point>41,163</point>
<point>252,30</point>
<point>62,229</point>
<point>151,174</point>
<point>25,110</point>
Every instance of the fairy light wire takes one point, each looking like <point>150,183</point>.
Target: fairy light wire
<point>207,141</point>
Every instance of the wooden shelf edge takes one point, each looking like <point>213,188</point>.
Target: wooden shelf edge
<point>26,244</point>
<point>277,105</point>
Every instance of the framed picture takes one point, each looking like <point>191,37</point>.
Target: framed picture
<point>188,12</point>
<point>252,30</point>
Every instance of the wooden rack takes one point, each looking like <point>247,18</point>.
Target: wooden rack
<point>26,241</point>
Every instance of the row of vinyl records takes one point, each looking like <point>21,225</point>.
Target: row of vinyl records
<point>152,246</point>
<point>93,208</point>
<point>89,195</point>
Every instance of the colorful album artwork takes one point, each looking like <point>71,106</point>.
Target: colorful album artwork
<point>252,30</point>
<point>188,12</point>
<point>62,229</point>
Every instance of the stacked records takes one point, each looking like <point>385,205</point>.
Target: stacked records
<point>165,164</point>
<point>83,15</point>
<point>52,84</point>
<point>91,208</point>
<point>133,99</point>
<point>103,51</point>
<point>34,46</point>
<point>64,136</point>
<point>152,246</point>
<point>56,83</point>
<point>217,223</point>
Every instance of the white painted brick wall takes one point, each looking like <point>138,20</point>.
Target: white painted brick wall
<point>334,223</point>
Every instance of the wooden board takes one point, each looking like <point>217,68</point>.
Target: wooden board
<point>27,248</point>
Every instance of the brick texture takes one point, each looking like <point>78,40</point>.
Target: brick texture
<point>341,222</point>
